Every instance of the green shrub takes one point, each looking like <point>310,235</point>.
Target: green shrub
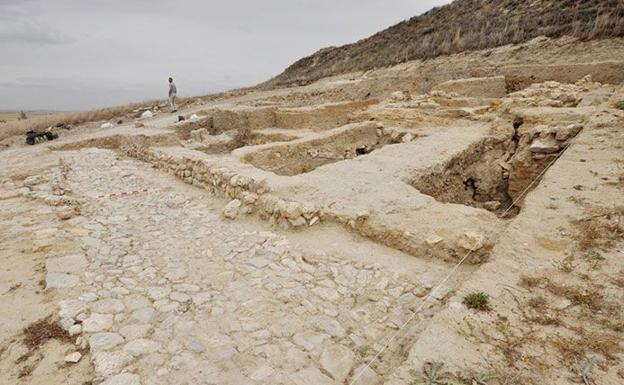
<point>477,301</point>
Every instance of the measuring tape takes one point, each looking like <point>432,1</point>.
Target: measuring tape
<point>121,194</point>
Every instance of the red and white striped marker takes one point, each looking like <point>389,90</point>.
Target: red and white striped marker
<point>121,194</point>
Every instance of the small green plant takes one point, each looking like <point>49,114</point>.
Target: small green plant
<point>595,255</point>
<point>477,301</point>
<point>482,378</point>
<point>620,105</point>
<point>584,372</point>
<point>595,258</point>
<point>432,375</point>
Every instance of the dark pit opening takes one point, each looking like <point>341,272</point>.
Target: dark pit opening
<point>496,173</point>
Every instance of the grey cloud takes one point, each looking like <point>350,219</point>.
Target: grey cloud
<point>76,54</point>
<point>30,34</point>
<point>20,23</point>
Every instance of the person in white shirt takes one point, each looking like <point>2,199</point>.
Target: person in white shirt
<point>173,91</point>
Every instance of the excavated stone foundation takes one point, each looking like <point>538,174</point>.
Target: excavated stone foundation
<point>304,155</point>
<point>496,173</point>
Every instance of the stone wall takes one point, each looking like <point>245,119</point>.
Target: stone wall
<point>248,195</point>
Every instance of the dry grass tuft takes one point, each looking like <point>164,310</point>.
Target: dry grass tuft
<point>40,332</point>
<point>530,282</point>
<point>601,231</point>
<point>538,303</point>
<point>590,297</point>
<point>541,313</point>
<point>575,349</point>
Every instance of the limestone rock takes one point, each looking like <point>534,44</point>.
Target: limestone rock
<point>61,280</point>
<point>337,360</point>
<point>258,262</point>
<point>471,240</point>
<point>75,329</point>
<point>179,297</point>
<point>433,239</point>
<point>71,308</point>
<point>73,357</point>
<point>135,331</point>
<point>329,326</point>
<point>309,340</point>
<point>109,363</point>
<point>367,376</point>
<point>231,210</point>
<point>146,315</point>
<point>70,264</point>
<point>108,306</point>
<point>156,292</point>
<point>261,373</point>
<point>104,341</point>
<point>544,146</point>
<point>97,323</point>
<point>568,132</point>
<point>66,214</point>
<point>398,96</point>
<point>311,376</point>
<point>135,301</point>
<point>141,346</point>
<point>123,379</point>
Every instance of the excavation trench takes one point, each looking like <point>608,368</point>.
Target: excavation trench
<point>496,173</point>
<point>231,140</point>
<point>304,155</point>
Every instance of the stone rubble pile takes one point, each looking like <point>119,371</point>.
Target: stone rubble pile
<point>552,94</point>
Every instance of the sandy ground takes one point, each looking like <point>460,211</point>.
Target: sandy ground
<point>119,249</point>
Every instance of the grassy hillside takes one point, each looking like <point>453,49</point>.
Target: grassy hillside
<point>461,26</point>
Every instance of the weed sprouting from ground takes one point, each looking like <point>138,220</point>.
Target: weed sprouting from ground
<point>482,378</point>
<point>477,301</point>
<point>595,255</point>
<point>432,375</point>
<point>620,105</point>
<point>584,372</point>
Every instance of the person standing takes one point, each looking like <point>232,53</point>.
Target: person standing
<point>173,91</point>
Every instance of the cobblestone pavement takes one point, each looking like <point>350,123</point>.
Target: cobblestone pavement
<point>171,293</point>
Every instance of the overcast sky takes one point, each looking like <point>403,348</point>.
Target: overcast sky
<point>79,54</point>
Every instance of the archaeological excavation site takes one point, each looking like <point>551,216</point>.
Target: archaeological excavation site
<point>454,220</point>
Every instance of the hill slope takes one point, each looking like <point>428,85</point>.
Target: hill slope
<point>462,26</point>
